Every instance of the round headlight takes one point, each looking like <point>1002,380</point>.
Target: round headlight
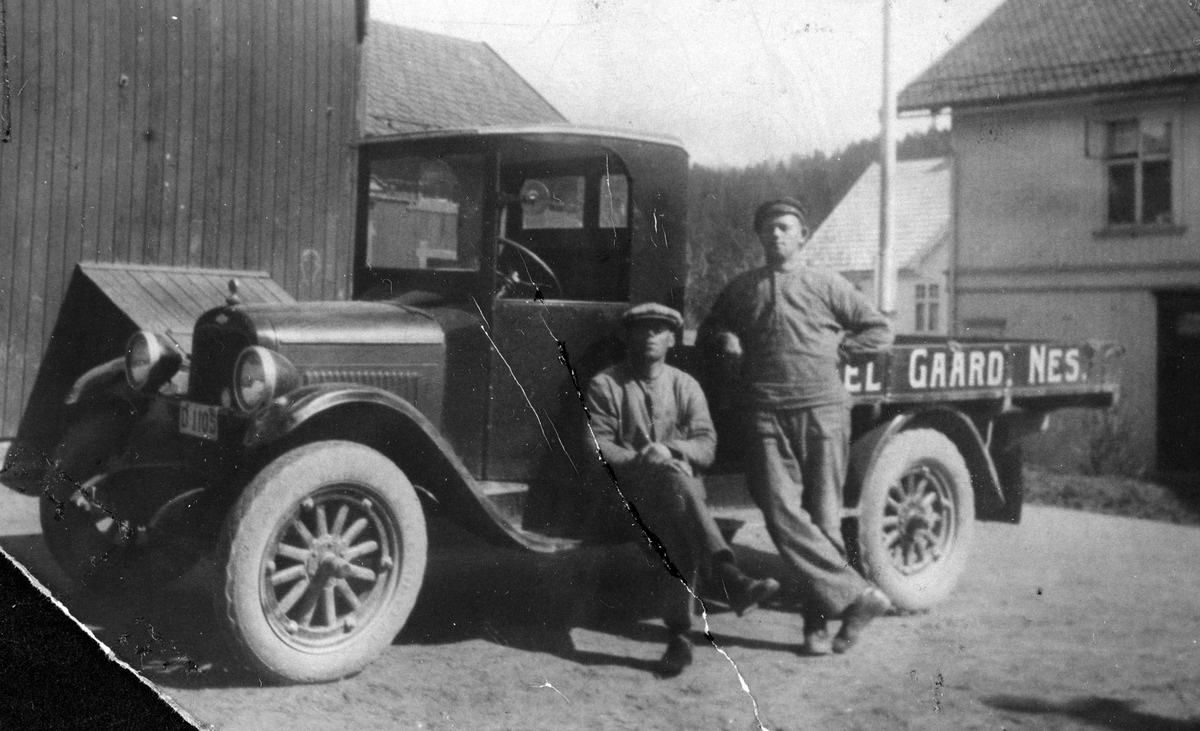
<point>255,378</point>
<point>149,361</point>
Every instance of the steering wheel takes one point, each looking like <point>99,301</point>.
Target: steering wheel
<point>511,271</point>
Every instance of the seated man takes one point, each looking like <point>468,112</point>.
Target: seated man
<point>653,428</point>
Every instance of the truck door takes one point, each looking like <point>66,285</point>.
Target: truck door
<point>567,230</point>
<point>1178,376</point>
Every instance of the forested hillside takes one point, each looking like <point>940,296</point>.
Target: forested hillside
<point>721,202</point>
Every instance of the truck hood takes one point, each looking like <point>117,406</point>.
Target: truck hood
<point>342,323</point>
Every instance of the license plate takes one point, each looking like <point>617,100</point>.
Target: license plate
<point>198,420</point>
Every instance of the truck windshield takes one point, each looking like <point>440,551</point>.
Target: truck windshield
<point>425,212</point>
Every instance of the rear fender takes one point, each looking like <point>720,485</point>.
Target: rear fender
<point>955,425</point>
<point>393,426</point>
<point>1007,455</point>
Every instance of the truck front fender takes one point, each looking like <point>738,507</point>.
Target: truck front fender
<point>393,426</point>
<point>957,427</point>
<point>24,461</point>
<point>96,380</point>
<point>287,414</point>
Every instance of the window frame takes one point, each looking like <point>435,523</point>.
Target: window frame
<point>927,302</point>
<point>553,243</point>
<point>376,256</point>
<point>1138,160</point>
<point>1097,146</point>
<point>381,282</point>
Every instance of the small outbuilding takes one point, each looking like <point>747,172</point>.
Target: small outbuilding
<point>848,241</point>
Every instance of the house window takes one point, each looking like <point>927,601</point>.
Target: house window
<point>1137,158</point>
<point>926,311</point>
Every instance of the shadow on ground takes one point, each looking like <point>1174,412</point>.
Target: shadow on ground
<point>532,602</point>
<point>1100,712</point>
<point>472,591</point>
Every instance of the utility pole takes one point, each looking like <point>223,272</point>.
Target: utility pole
<point>885,274</point>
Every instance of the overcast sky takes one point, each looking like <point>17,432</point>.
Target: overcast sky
<point>739,81</point>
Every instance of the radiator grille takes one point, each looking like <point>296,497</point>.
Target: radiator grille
<point>214,353</point>
<point>404,383</point>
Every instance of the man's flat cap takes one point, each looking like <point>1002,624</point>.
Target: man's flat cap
<point>652,311</point>
<point>779,207</point>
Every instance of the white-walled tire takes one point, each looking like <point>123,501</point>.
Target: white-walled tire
<point>916,519</point>
<point>320,562</point>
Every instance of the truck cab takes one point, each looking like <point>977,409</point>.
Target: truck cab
<point>516,241</point>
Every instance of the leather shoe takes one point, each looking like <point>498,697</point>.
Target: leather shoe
<point>870,604</point>
<point>677,657</point>
<point>752,593</point>
<point>743,593</point>
<point>817,641</point>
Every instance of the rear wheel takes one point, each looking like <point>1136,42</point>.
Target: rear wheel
<point>320,561</point>
<point>916,519</point>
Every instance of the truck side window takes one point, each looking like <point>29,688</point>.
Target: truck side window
<point>565,209</point>
<point>567,202</point>
<point>614,201</point>
<point>425,212</point>
<point>575,216</point>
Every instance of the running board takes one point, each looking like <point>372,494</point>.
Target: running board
<point>509,499</point>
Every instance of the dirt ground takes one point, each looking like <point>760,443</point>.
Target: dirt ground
<point>1068,621</point>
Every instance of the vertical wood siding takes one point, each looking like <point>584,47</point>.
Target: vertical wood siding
<point>213,133</point>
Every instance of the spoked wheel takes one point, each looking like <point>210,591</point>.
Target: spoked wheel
<point>919,522</point>
<point>323,558</point>
<point>329,557</point>
<point>917,518</point>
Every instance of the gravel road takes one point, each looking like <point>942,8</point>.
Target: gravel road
<point>1068,621</point>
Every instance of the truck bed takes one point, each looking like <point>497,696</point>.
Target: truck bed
<point>1032,374</point>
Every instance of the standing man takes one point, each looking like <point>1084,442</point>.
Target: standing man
<point>785,327</point>
<point>653,428</point>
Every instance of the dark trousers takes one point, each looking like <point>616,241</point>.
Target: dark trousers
<point>673,507</point>
<point>796,474</point>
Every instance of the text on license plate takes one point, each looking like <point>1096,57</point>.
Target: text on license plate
<point>198,420</point>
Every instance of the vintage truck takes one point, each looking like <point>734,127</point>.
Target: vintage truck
<point>304,445</point>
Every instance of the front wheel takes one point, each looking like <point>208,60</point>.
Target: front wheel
<point>916,519</point>
<point>321,560</point>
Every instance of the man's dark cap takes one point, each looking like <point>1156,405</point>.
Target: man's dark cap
<point>779,207</point>
<point>652,311</point>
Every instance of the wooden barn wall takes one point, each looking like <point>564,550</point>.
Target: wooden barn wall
<point>197,133</point>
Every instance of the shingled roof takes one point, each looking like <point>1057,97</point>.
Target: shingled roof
<point>848,240</point>
<point>417,81</point>
<point>1042,48</point>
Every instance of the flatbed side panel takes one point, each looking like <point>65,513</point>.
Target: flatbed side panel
<point>1035,376</point>
<point>951,371</point>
